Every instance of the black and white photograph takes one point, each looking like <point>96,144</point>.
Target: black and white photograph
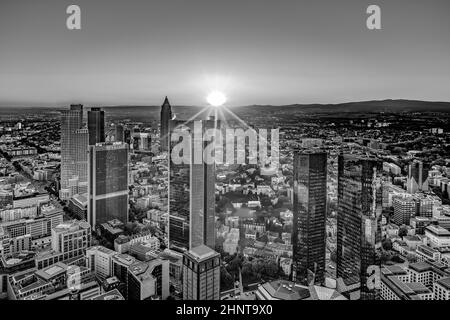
<point>259,154</point>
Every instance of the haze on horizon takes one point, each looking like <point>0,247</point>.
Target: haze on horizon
<point>256,51</point>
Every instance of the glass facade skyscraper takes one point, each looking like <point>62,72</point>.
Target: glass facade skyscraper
<point>191,195</point>
<point>309,215</point>
<point>74,149</point>
<point>108,183</point>
<point>96,125</point>
<point>358,221</point>
<point>166,116</point>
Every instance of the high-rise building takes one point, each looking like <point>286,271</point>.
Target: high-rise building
<point>141,141</point>
<point>309,215</point>
<point>201,274</point>
<point>119,133</point>
<point>108,183</point>
<point>166,116</point>
<point>127,136</point>
<point>74,148</point>
<point>191,192</point>
<point>358,223</point>
<point>417,177</point>
<point>404,209</point>
<point>96,126</point>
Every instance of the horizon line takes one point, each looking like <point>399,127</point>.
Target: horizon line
<point>230,106</point>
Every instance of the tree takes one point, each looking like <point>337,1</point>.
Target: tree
<point>226,280</point>
<point>387,244</point>
<point>333,256</point>
<point>271,269</point>
<point>385,257</point>
<point>403,231</point>
<point>258,266</point>
<point>235,264</point>
<point>411,258</point>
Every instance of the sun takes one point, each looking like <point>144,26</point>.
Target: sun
<point>216,98</point>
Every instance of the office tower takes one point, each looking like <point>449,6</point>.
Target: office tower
<point>96,126</point>
<point>108,183</point>
<point>74,147</point>
<point>127,136</point>
<point>191,192</point>
<point>417,177</point>
<point>141,141</point>
<point>358,221</point>
<point>309,215</point>
<point>148,280</point>
<point>119,133</point>
<point>404,209</point>
<point>201,274</point>
<point>166,116</point>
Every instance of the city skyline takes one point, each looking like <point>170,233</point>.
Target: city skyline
<point>262,180</point>
<point>132,53</point>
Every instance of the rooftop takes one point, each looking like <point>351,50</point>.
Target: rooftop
<point>438,230</point>
<point>202,252</point>
<point>285,290</point>
<point>71,226</point>
<point>420,266</point>
<point>110,295</point>
<point>52,271</point>
<point>445,282</point>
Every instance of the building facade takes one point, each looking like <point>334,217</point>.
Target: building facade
<point>309,215</point>
<point>74,148</point>
<point>96,126</point>
<point>201,274</point>
<point>108,183</point>
<point>191,194</point>
<point>358,221</point>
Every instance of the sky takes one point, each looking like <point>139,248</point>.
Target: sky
<point>135,52</point>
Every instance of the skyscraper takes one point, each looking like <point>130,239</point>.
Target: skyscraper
<point>191,193</point>
<point>166,116</point>
<point>119,134</point>
<point>108,183</point>
<point>358,221</point>
<point>74,148</point>
<point>404,209</point>
<point>96,126</point>
<point>201,274</point>
<point>417,177</point>
<point>309,215</point>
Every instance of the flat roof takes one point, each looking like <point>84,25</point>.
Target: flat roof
<point>445,282</point>
<point>420,266</point>
<point>51,271</point>
<point>202,252</point>
<point>286,290</point>
<point>393,270</point>
<point>438,230</point>
<point>110,295</point>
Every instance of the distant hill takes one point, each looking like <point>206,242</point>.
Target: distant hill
<point>374,106</point>
<point>397,105</point>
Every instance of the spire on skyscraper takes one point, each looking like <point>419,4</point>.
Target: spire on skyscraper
<point>166,116</point>
<point>166,102</point>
